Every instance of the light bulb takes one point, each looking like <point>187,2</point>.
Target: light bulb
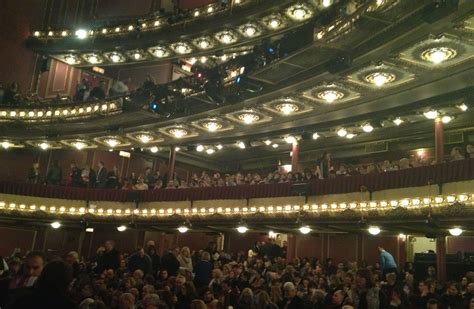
<point>115,58</point>
<point>290,139</point>
<point>112,142</point>
<point>121,228</point>
<point>210,151</point>
<point>267,142</point>
<point>44,146</point>
<point>242,229</point>
<point>342,132</point>
<point>79,145</point>
<point>446,119</point>
<point>367,128</point>
<point>455,231</point>
<point>199,148</point>
<point>154,149</point>
<point>380,80</point>
<point>326,3</point>
<point>81,34</point>
<point>275,146</point>
<point>305,229</point>
<point>315,136</point>
<point>463,107</point>
<point>374,230</point>
<point>183,229</point>
<point>431,114</point>
<point>56,225</point>
<point>398,121</point>
<point>219,147</point>
<point>241,145</point>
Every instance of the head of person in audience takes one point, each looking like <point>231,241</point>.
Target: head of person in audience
<point>126,301</point>
<point>55,277</point>
<point>289,290</point>
<point>109,245</point>
<point>34,264</point>
<point>456,153</point>
<point>72,258</point>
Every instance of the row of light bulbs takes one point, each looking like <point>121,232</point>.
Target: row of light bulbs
<point>409,203</point>
<point>242,229</point>
<point>147,24</point>
<point>297,12</point>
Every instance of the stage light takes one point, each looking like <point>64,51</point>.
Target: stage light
<point>455,231</point>
<point>154,149</point>
<point>305,229</point>
<point>55,225</point>
<point>431,114</point>
<point>374,230</point>
<point>398,121</point>
<point>121,228</point>
<point>81,34</point>
<point>183,229</point>
<point>367,128</point>
<point>199,148</point>
<point>446,119</point>
<point>242,229</point>
<point>342,132</point>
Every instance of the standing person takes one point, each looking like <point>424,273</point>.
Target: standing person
<point>34,264</point>
<point>387,262</point>
<point>153,254</point>
<point>203,270</point>
<point>34,174</point>
<point>55,174</point>
<point>324,164</point>
<point>140,260</point>
<point>149,178</point>
<point>366,294</point>
<point>185,260</point>
<point>113,178</point>
<point>99,91</point>
<point>101,179</point>
<point>75,178</point>
<point>110,259</point>
<point>169,261</point>
<point>120,88</point>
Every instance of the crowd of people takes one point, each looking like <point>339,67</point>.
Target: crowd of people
<point>262,278</point>
<point>101,177</point>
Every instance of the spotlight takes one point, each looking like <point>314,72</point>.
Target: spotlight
<point>455,231</point>
<point>121,228</point>
<point>55,225</point>
<point>374,230</point>
<point>305,229</point>
<point>242,229</point>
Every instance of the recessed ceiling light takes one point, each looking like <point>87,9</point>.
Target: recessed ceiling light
<point>178,132</point>
<point>287,108</point>
<point>299,13</point>
<point>398,121</point>
<point>290,139</point>
<point>183,229</point>
<point>342,132</point>
<point>326,3</point>
<point>438,55</point>
<point>154,149</point>
<point>241,145</point>
<point>305,229</point>
<point>380,79</point>
<point>115,57</point>
<point>70,59</point>
<point>267,142</point>
<point>199,148</point>
<point>145,138</point>
<point>210,151</point>
<point>226,37</point>
<point>374,230</point>
<point>79,145</point>
<point>455,231</point>
<point>431,114</point>
<point>56,225</point>
<point>250,30</point>
<point>212,126</point>
<point>463,107</point>
<point>274,23</point>
<point>350,135</point>
<point>315,136</point>
<point>219,147</point>
<point>81,34</point>
<point>330,95</point>
<point>159,52</point>
<point>275,146</point>
<point>112,142</point>
<point>446,119</point>
<point>367,128</point>
<point>6,145</point>
<point>121,228</point>
<point>248,117</point>
<point>44,146</point>
<point>242,229</point>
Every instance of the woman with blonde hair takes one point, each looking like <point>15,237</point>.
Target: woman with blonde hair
<point>198,304</point>
<point>246,300</point>
<point>185,260</point>
<point>264,301</point>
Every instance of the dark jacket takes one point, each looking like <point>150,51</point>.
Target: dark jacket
<point>203,270</point>
<point>108,260</point>
<point>39,299</point>
<point>143,263</point>
<point>170,263</point>
<point>102,177</point>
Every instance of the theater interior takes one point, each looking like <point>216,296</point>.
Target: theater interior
<point>199,91</point>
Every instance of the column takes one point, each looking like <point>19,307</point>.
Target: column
<point>291,248</point>
<point>439,143</point>
<point>295,150</point>
<point>171,162</point>
<point>441,258</point>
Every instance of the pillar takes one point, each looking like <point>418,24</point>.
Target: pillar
<point>441,258</point>
<point>295,150</point>
<point>171,162</point>
<point>439,143</point>
<point>291,248</point>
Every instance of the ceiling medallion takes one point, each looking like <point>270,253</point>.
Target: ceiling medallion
<point>116,57</point>
<point>274,23</point>
<point>212,125</point>
<point>226,37</point>
<point>112,142</point>
<point>93,58</point>
<point>299,12</point>
<point>438,55</point>
<point>203,43</point>
<point>330,95</point>
<point>287,108</point>
<point>249,30</point>
<point>178,132</point>
<point>71,59</point>
<point>248,117</point>
<point>380,79</point>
